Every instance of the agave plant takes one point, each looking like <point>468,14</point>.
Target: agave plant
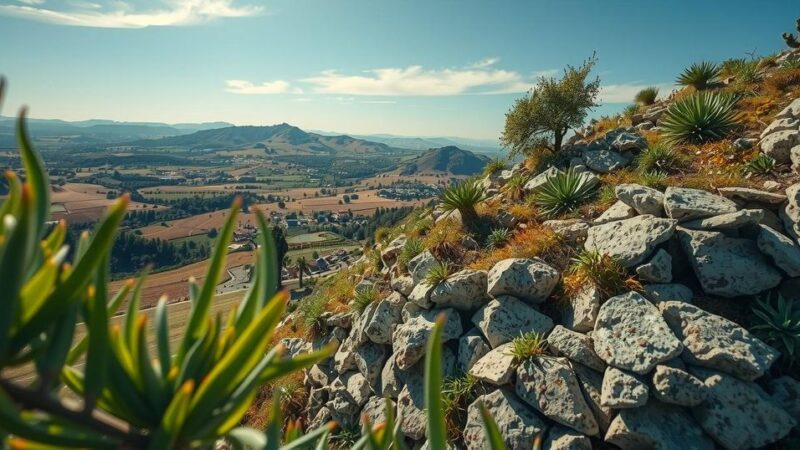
<point>438,273</point>
<point>761,164</point>
<point>514,188</point>
<point>564,192</point>
<point>701,117</point>
<point>646,96</point>
<point>463,197</point>
<point>699,75</point>
<point>661,157</point>
<point>778,324</point>
<point>497,237</point>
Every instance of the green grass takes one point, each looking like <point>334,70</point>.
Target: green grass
<point>528,345</point>
<point>438,273</point>
<point>661,157</point>
<point>498,237</point>
<point>364,298</point>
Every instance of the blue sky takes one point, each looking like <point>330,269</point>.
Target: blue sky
<point>429,68</point>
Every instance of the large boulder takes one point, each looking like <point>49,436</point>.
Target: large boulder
<point>658,293</point>
<point>782,124</point>
<point>577,347</point>
<point>783,251</point>
<point>393,248</point>
<point>748,195</point>
<point>686,204</point>
<point>715,342</point>
<point>572,230</point>
<point>790,213</point>
<point>495,367</point>
<point>375,409</point>
<point>657,426</point>
<point>678,387</point>
<point>542,178</point>
<point>777,145</point>
<point>528,279</point>
<point>630,334</point>
<point>728,267</point>
<point>549,385</point>
<point>617,211</point>
<point>739,414</point>
<point>464,290</point>
<point>622,390</point>
<point>791,111</point>
<point>643,199</point>
<point>517,423</point>
<point>505,318</point>
<point>625,142</point>
<point>409,339</point>
<point>630,241</point>
<point>604,160</point>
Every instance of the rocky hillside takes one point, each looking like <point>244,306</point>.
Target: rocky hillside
<point>637,290</point>
<point>452,160</point>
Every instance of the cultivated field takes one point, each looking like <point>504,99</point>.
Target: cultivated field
<point>81,202</point>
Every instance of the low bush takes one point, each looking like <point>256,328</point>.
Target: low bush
<point>646,96</point>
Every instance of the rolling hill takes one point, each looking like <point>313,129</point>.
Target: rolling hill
<point>448,159</point>
<point>282,138</point>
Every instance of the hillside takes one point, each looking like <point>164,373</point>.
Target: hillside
<point>281,137</point>
<point>452,160</point>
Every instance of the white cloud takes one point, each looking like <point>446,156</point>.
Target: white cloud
<point>121,14</point>
<point>268,87</point>
<point>480,78</point>
<point>624,93</point>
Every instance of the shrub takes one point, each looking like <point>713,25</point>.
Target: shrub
<point>544,116</point>
<point>699,75</point>
<point>743,71</point>
<point>761,164</point>
<point>494,166</point>
<point>463,197</point>
<point>646,96</point>
<point>699,118</point>
<point>661,157</point>
<point>438,273</point>
<point>564,192</point>
<point>514,188</point>
<point>778,324</point>
<point>599,270</point>
<point>411,248</point>
<point>498,237</point>
<point>364,298</point>
<point>527,345</point>
<point>653,178</point>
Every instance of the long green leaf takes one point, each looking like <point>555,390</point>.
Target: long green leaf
<point>437,429</point>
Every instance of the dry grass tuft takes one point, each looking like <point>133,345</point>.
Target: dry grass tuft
<point>444,240</point>
<point>600,270</point>
<point>536,241</point>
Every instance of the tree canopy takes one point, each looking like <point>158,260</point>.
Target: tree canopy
<point>550,110</point>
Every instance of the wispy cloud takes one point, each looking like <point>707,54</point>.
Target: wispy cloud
<point>267,87</point>
<point>122,14</point>
<point>624,93</point>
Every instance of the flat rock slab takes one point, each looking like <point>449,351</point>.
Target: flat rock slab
<point>643,199</point>
<point>577,347</point>
<point>549,385</point>
<point>464,290</point>
<point>717,343</point>
<point>790,213</point>
<point>630,241</point>
<point>496,367</point>
<point>518,424</point>
<point>785,253</point>
<point>728,267</point>
<point>409,339</point>
<point>739,414</point>
<point>630,334</point>
<point>505,318</point>
<point>748,195</point>
<point>622,390</point>
<point>686,204</point>
<point>657,426</point>
<point>727,221</point>
<point>678,387</point>
<point>528,279</point>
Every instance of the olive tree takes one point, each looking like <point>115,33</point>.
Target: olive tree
<point>543,117</point>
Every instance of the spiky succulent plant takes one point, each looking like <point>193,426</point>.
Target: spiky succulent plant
<point>564,192</point>
<point>701,117</point>
<point>699,75</point>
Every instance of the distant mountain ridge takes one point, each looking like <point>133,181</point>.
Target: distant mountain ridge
<point>420,143</point>
<point>448,159</point>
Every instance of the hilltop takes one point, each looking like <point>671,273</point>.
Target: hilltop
<point>452,160</point>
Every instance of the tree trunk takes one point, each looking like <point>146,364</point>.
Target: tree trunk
<point>557,144</point>
<point>300,273</point>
